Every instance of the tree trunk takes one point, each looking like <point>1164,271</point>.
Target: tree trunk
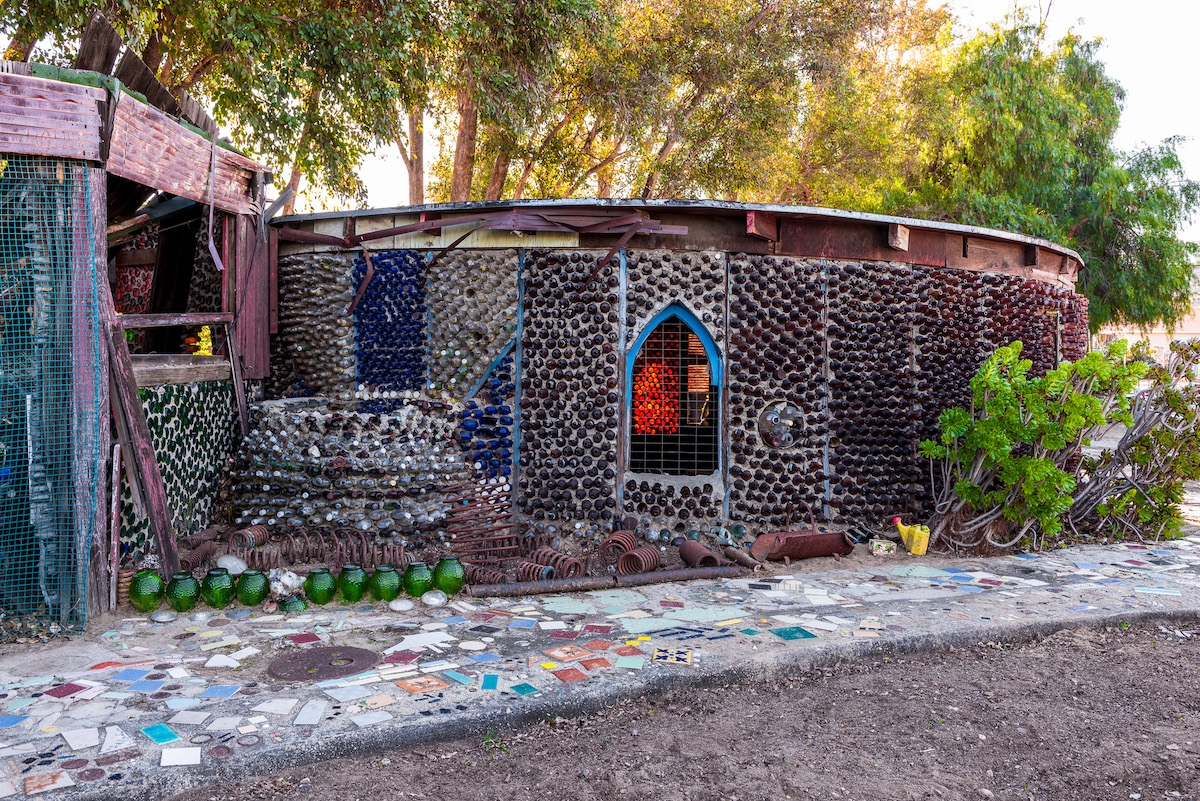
<point>311,105</point>
<point>663,154</point>
<point>464,147</point>
<point>495,187</point>
<point>21,44</point>
<point>416,156</point>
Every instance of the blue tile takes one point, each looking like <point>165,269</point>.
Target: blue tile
<point>522,624</point>
<point>523,689</point>
<point>146,686</point>
<point>220,691</point>
<point>452,620</point>
<point>459,677</point>
<point>483,659</point>
<point>130,674</point>
<point>954,570</point>
<point>8,721</point>
<point>491,681</point>
<point>161,734</point>
<point>793,633</point>
<point>968,588</point>
<point>721,637</point>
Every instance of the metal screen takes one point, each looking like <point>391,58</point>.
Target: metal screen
<point>49,395</point>
<point>674,404</point>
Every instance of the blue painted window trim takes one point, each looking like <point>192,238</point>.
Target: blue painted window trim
<point>692,322</point>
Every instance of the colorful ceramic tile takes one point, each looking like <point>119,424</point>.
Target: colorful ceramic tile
<point>63,690</point>
<point>523,689</point>
<point>596,663</point>
<point>568,653</point>
<point>629,650</point>
<point>130,674</point>
<point>793,633</point>
<point>8,721</point>
<point>401,658</point>
<point>47,781</point>
<point>564,634</point>
<point>160,734</point>
<point>672,656</point>
<point>547,665</point>
<point>304,639</point>
<point>598,628</point>
<point>484,659</point>
<point>423,684</point>
<point>598,645</point>
<point>220,691</point>
<point>491,681</point>
<point>672,604</point>
<point>459,677</point>
<point>518,623</point>
<point>484,629</point>
<point>631,662</point>
<point>378,701</point>
<point>146,686</point>
<point>115,739</point>
<point>570,674</point>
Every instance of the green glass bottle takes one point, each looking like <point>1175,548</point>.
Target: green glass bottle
<point>217,588</point>
<point>449,575</point>
<point>320,586</point>
<point>252,587</point>
<point>146,590</point>
<point>183,592</point>
<point>384,584</point>
<point>352,582</point>
<point>292,603</point>
<point>418,579</point>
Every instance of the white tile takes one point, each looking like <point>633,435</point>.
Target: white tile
<point>224,724</point>
<point>345,694</point>
<point>115,739</point>
<point>190,718</point>
<point>179,673</point>
<point>277,706</point>
<point>310,713</point>
<point>371,718</point>
<point>78,739</point>
<point>245,653</point>
<point>180,756</point>
<point>221,660</point>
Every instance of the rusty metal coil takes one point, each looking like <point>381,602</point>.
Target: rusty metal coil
<point>696,555</point>
<point>619,543</point>
<point>252,537</point>
<point>198,556</point>
<point>482,575</point>
<point>393,554</point>
<point>639,560</point>
<point>565,565</point>
<point>260,558</point>
<point>532,571</point>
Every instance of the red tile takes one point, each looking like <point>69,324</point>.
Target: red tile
<point>629,650</point>
<point>304,639</point>
<point>563,634</point>
<point>595,664</point>
<point>401,658</point>
<point>598,645</point>
<point>63,690</point>
<point>598,628</point>
<point>570,674</point>
<point>671,604</point>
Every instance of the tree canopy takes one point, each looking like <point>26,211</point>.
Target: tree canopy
<point>871,105</point>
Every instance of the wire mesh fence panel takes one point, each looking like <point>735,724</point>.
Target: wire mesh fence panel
<point>49,395</point>
<point>674,404</point>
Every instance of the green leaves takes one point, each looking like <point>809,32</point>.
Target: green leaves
<point>1009,454</point>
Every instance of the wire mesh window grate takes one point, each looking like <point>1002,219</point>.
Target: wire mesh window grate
<point>49,395</point>
<point>674,400</point>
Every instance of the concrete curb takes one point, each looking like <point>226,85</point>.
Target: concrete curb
<point>586,699</point>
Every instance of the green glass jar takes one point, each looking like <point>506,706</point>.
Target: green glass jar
<point>384,584</point>
<point>146,590</point>
<point>418,579</point>
<point>292,603</point>
<point>352,582</point>
<point>183,592</point>
<point>217,588</point>
<point>449,576</point>
<point>252,587</point>
<point>320,586</point>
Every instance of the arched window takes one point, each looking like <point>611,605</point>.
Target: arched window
<point>673,379</point>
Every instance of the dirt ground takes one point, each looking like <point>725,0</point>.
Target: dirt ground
<point>1079,715</point>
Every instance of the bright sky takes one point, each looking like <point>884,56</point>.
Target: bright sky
<point>1149,48</point>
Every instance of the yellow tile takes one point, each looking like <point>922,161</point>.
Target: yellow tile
<point>549,665</point>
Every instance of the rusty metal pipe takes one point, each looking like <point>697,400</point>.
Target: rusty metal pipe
<point>696,555</point>
<point>587,583</point>
<point>742,558</point>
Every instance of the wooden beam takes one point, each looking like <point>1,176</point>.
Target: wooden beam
<point>159,369</point>
<point>175,318</point>
<point>1033,256</point>
<point>99,46</point>
<point>91,389</point>
<point>898,237</point>
<point>145,462</point>
<point>763,225</point>
<point>273,261</point>
<point>137,258</point>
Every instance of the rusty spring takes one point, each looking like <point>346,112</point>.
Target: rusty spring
<point>482,575</point>
<point>304,547</point>
<point>619,543</point>
<point>259,558</point>
<point>210,533</point>
<point>639,560</point>
<point>532,571</point>
<point>362,551</point>
<point>252,537</point>
<point>696,555</point>
<point>201,554</point>
<point>565,565</point>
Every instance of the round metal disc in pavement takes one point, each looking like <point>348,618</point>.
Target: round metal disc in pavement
<point>322,664</point>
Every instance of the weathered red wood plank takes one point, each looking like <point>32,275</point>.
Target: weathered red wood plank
<point>273,262</point>
<point>180,318</point>
<point>30,86</point>
<point>145,462</point>
<point>762,224</point>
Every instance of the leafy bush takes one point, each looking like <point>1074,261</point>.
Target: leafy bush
<point>1009,466</point>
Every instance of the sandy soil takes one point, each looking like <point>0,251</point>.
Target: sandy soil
<point>1080,715</point>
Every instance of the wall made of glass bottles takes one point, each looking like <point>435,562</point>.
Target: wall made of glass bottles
<point>569,393</point>
<point>313,353</point>
<point>336,470</point>
<point>695,281</point>
<point>193,429</point>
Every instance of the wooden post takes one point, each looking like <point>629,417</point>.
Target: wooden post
<point>145,463</point>
<point>898,237</point>
<point>99,568</point>
<point>114,534</point>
